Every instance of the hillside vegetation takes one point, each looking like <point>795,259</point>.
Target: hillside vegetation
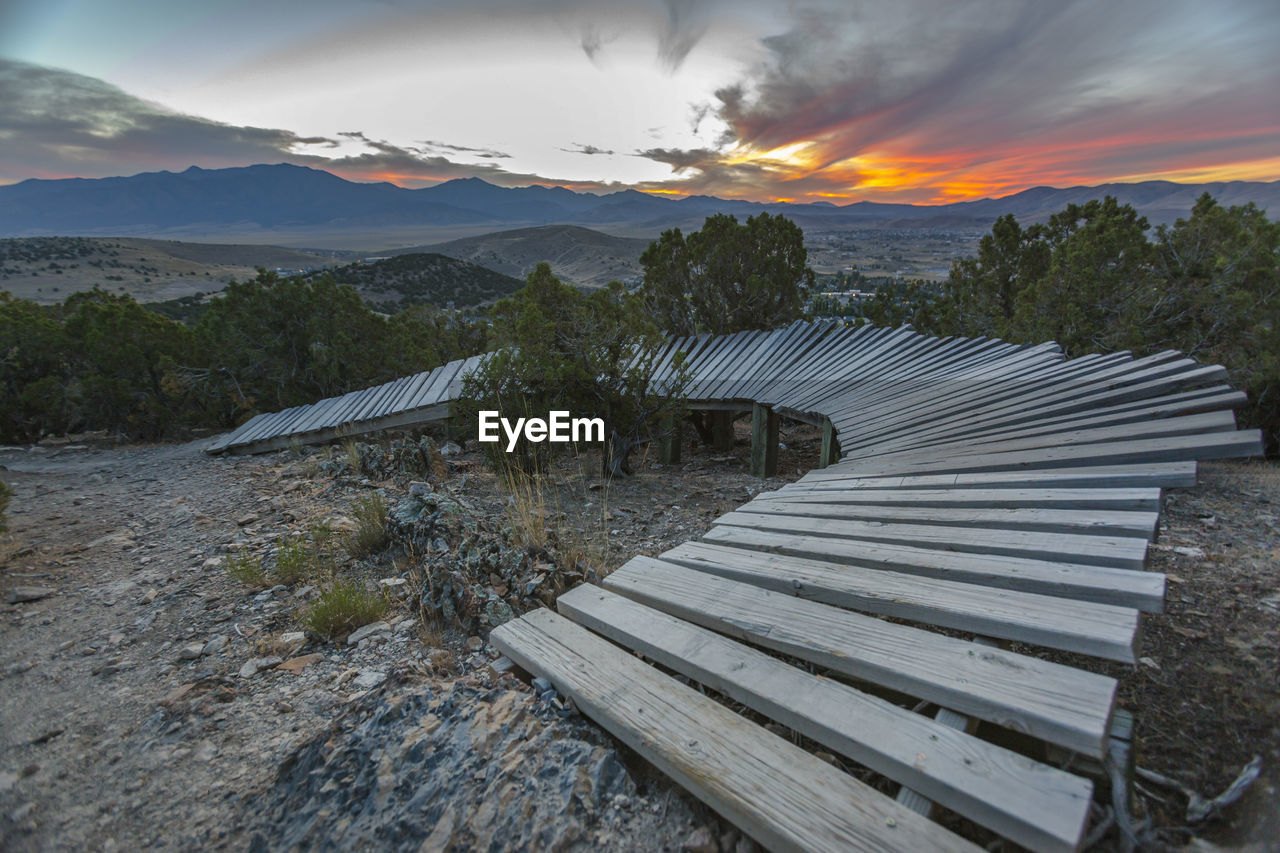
<point>390,284</point>
<point>49,269</point>
<point>579,256</point>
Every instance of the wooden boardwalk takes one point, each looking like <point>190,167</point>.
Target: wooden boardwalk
<point>990,508</point>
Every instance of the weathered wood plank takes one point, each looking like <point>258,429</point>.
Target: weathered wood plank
<point>1123,587</point>
<point>1056,703</point>
<point>780,795</point>
<point>1120,500</point>
<point>1092,521</point>
<point>1031,803</point>
<point>1127,552</point>
<point>1102,630</point>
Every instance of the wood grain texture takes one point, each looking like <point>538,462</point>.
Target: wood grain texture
<point>1033,804</point>
<point>776,792</point>
<point>1057,703</point>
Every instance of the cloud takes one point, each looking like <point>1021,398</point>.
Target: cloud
<point>578,148</point>
<point>941,100</point>
<point>684,27</point>
<point>56,123</point>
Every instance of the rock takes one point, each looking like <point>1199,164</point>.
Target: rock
<point>191,651</point>
<point>700,841</point>
<point>246,520</point>
<point>176,694</point>
<point>1189,551</point>
<point>7,781</point>
<point>367,631</point>
<point>291,641</point>
<point>298,664</point>
<point>450,449</point>
<point>22,812</point>
<point>369,679</point>
<point>418,488</point>
<point>20,594</point>
<point>211,563</point>
<point>255,665</point>
<point>216,644</point>
<point>475,643</point>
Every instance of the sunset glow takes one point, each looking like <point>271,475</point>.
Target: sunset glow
<point>819,100</point>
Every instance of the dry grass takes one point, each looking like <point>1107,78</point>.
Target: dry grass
<point>247,569</point>
<point>370,535</point>
<point>343,607</point>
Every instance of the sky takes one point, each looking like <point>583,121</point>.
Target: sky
<point>923,101</point>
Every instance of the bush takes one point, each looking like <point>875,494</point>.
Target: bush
<point>295,561</point>
<point>370,535</point>
<point>342,608</point>
<point>247,569</point>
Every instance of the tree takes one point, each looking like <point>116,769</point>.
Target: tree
<point>34,371</point>
<point>593,355</point>
<point>981,294</point>
<point>124,358</point>
<point>728,277</point>
<point>1215,295</point>
<point>1099,262</point>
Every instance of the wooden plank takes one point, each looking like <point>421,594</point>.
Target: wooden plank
<point>1132,500</point>
<point>413,417</point>
<point>1123,587</point>
<point>1056,703</point>
<point>774,791</point>
<point>1092,521</point>
<point>1219,445</point>
<point>829,453</point>
<point>1102,630</point>
<point>1030,803</point>
<point>912,798</point>
<point>1128,552</point>
<point>1159,474</point>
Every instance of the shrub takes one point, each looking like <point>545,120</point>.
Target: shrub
<point>370,535</point>
<point>247,569</point>
<point>342,608</point>
<point>295,561</point>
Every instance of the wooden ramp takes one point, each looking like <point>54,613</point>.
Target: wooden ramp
<point>987,508</point>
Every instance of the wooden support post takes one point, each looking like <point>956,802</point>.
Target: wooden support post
<point>454,428</point>
<point>721,430</point>
<point>764,441</point>
<point>830,447</point>
<point>669,443</point>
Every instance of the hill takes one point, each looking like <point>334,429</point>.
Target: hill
<point>48,269</point>
<point>312,207</point>
<point>389,284</point>
<point>577,255</point>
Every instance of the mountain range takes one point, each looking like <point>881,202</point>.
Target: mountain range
<point>269,200</point>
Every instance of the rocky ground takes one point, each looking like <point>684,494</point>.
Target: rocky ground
<point>149,699</point>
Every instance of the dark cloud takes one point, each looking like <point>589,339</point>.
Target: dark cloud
<point>684,27</point>
<point>56,123</point>
<point>578,148</point>
<point>994,92</point>
<point>486,153</point>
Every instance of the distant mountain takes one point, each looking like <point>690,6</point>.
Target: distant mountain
<point>389,284</point>
<point>578,255</point>
<point>284,199</point>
